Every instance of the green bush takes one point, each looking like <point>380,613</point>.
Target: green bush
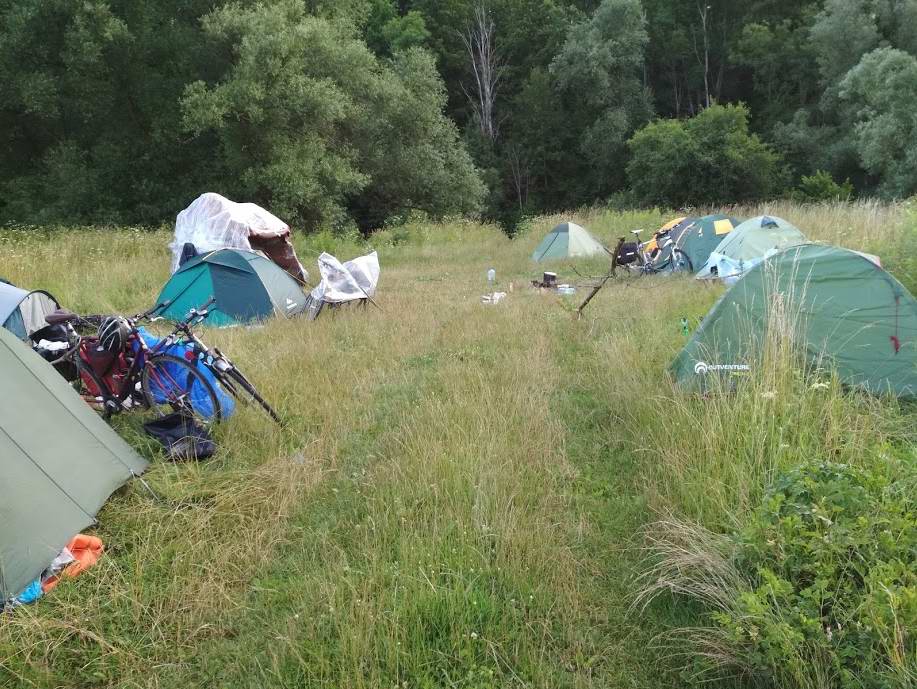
<point>822,187</point>
<point>832,558</point>
<point>710,159</point>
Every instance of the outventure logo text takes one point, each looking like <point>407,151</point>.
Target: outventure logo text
<point>702,368</point>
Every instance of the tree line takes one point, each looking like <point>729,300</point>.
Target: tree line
<point>357,113</point>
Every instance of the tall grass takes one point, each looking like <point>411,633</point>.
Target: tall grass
<point>708,460</point>
<point>458,492</point>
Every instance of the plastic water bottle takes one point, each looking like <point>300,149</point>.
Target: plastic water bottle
<point>491,277</point>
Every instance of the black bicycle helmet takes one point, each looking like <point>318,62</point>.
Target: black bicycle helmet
<point>113,334</point>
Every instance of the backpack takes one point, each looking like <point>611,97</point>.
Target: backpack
<point>629,253</point>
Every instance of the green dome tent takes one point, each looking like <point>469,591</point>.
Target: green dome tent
<point>61,461</point>
<point>852,316</point>
<point>23,312</point>
<point>699,238</point>
<point>246,286</point>
<point>747,245</point>
<point>567,240</point>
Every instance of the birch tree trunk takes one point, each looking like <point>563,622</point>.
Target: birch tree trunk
<point>487,68</point>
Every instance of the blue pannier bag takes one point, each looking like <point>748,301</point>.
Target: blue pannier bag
<point>200,400</point>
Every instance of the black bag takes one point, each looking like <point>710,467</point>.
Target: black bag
<point>54,333</point>
<point>181,436</point>
<point>188,251</point>
<point>628,253</point>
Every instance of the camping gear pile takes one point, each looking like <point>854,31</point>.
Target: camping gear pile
<point>61,460</point>
<point>181,436</point>
<point>353,282</point>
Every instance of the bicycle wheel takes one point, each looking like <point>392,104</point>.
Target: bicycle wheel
<point>681,262</point>
<point>229,379</point>
<point>171,384</point>
<point>92,389</point>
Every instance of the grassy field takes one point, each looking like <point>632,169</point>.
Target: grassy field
<point>462,493</point>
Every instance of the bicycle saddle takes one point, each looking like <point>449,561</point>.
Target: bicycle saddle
<point>60,316</point>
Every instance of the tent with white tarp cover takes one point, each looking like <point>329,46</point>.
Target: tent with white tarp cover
<point>214,222</point>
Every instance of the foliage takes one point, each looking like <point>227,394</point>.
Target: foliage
<point>89,122</point>
<point>709,159</point>
<point>832,558</point>
<point>118,111</point>
<point>822,187</point>
<point>312,120</point>
<point>597,77</point>
<point>284,107</point>
<point>881,93</point>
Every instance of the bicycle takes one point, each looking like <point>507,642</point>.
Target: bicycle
<point>664,257</point>
<point>223,369</point>
<point>137,376</point>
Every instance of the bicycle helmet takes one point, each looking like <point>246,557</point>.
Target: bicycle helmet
<point>113,334</point>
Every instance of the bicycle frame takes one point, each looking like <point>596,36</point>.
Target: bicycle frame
<point>114,400</point>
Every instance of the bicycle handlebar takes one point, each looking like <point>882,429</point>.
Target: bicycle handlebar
<point>148,315</point>
<point>200,312</point>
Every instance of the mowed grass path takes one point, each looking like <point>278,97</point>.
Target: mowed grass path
<point>455,502</point>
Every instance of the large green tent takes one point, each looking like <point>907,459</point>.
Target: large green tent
<point>246,287</point>
<point>60,462</point>
<point>567,240</point>
<point>842,310</point>
<point>698,238</point>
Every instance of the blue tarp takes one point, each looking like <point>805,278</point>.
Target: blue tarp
<point>200,400</point>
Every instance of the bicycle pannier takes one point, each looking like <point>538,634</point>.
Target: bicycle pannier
<point>628,253</point>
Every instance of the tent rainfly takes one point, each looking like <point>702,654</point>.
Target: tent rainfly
<point>747,245</point>
<point>245,285</point>
<point>841,310</point>
<point>567,240</point>
<point>23,312</point>
<point>698,238</point>
<point>61,462</point>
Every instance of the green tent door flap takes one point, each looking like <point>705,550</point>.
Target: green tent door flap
<point>245,285</point>
<point>567,240</point>
<point>61,462</point>
<point>842,310</point>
